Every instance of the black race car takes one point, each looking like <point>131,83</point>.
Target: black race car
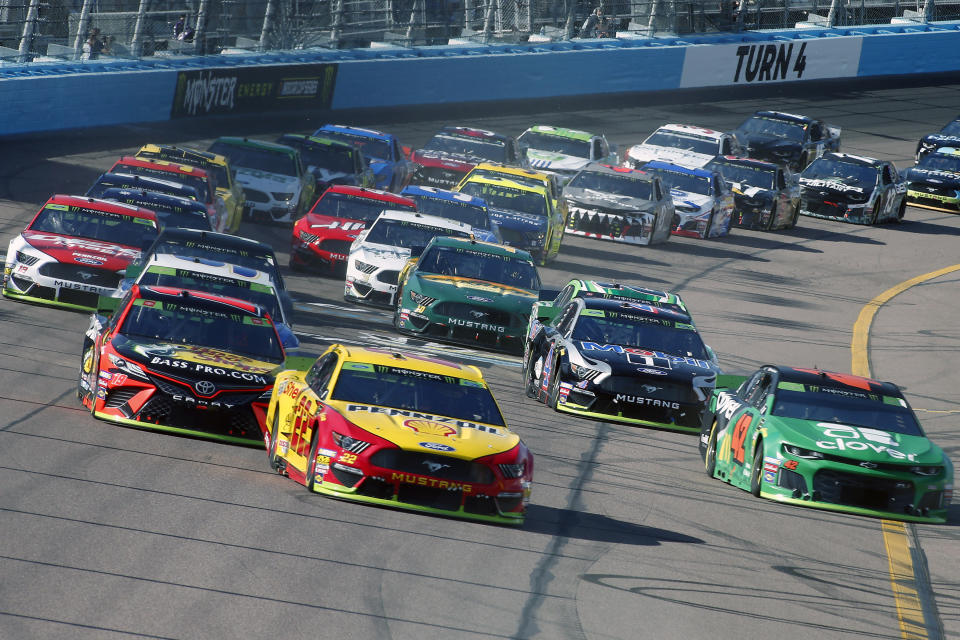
<point>453,151</point>
<point>849,188</point>
<point>949,136</point>
<point>766,196</point>
<point>621,361</point>
<point>934,183</point>
<point>786,138</point>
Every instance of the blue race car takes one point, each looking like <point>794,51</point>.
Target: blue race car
<point>391,168</point>
<point>456,206</point>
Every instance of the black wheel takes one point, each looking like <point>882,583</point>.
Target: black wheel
<point>397,309</point>
<point>706,232</point>
<point>757,471</point>
<point>553,391</point>
<point>710,463</point>
<point>902,210</point>
<point>796,216</point>
<point>312,458</point>
<point>530,378</point>
<point>877,209</point>
<point>773,217</point>
<point>274,433</point>
<point>86,363</point>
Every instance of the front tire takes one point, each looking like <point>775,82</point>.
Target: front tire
<point>902,211</point>
<point>710,462</point>
<point>530,378</point>
<point>796,216</point>
<point>756,474</point>
<point>553,391</point>
<point>274,434</point>
<point>773,218</point>
<point>312,459</point>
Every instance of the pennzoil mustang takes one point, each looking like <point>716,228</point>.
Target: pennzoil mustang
<point>623,361</point>
<point>399,430</point>
<point>827,440</point>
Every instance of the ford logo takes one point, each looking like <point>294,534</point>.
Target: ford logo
<point>479,299</point>
<point>205,388</point>
<point>436,446</point>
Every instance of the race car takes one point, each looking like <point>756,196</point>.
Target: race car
<point>615,203</point>
<point>388,160</point>
<point>75,250</point>
<point>849,188</point>
<point>948,136</point>
<point>524,176</point>
<point>453,151</point>
<point>322,238</point>
<point>184,174</point>
<point>468,292</point>
<point>786,138</point>
<point>211,246</point>
<point>142,183</point>
<point>219,278</point>
<point>275,183</point>
<point>171,211</point>
<point>216,165</point>
<point>702,200</point>
<point>524,212</point>
<point>934,182</point>
<point>766,196</point>
<point>331,162</point>
<point>380,252</point>
<point>683,145</point>
<point>828,440</point>
<point>621,361</point>
<point>455,206</point>
<point>563,152</point>
<point>545,309</point>
<point>399,430</point>
<point>183,362</point>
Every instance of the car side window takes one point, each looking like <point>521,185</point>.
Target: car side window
<point>725,149</point>
<point>758,394</point>
<point>320,373</point>
<point>887,177</point>
<point>564,296</point>
<point>597,149</point>
<point>781,180</point>
<point>658,189</point>
<point>749,385</point>
<point>565,319</point>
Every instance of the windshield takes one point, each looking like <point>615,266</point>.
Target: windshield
<point>342,205</point>
<point>184,156</point>
<point>851,173</point>
<point>257,158</point>
<point>186,324</point>
<point>465,212</point>
<point>761,126</point>
<point>684,181</point>
<point>407,234</point>
<point>889,414</point>
<point>96,225</point>
<point>557,144</point>
<point>940,162</point>
<point>371,147</point>
<point>952,128</point>
<point>707,146</point>
<point>255,259</point>
<point>745,174</point>
<point>198,183</point>
<point>628,185</point>
<point>333,158</point>
<point>165,187</point>
<point>418,391</point>
<point>186,214</point>
<point>255,293</point>
<point>486,148</point>
<point>480,265</point>
<point>633,330</point>
<point>504,197</point>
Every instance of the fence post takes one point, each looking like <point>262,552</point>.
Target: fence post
<point>267,25</point>
<point>200,34</point>
<point>571,21</point>
<point>28,27</point>
<point>832,15</point>
<point>81,28</point>
<point>741,14</point>
<point>928,6</point>
<point>487,22</point>
<point>337,23</point>
<point>136,44</point>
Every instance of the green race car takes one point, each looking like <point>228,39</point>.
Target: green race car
<point>828,440</point>
<point>552,302</point>
<point>468,292</point>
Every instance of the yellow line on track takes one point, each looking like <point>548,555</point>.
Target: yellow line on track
<point>903,581</point>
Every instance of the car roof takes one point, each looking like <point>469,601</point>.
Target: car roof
<point>200,299</point>
<point>210,267</point>
<point>372,194</point>
<point>501,169</point>
<point>225,240</point>
<point>430,364</point>
<point>561,132</point>
<point>423,218</point>
<point>163,165</point>
<point>355,131</point>
<point>415,190</point>
<point>666,166</point>
<point>746,162</point>
<point>133,181</point>
<point>689,129</point>
<point>652,311</point>
<point>99,204</point>
<point>948,151</point>
<point>472,132</point>
<point>854,159</point>
<point>187,155</point>
<point>820,377</point>
<point>506,181</point>
<point>237,141</point>
<point>780,115</point>
<point>613,170</point>
<point>146,198</point>
<point>306,140</point>
<point>636,292</point>
<point>479,245</point>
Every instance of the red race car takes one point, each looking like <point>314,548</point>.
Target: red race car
<point>323,236</point>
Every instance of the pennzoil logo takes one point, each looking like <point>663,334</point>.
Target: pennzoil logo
<point>429,427</point>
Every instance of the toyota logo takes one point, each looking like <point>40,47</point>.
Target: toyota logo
<point>205,388</point>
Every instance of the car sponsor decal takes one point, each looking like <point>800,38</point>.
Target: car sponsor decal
<point>646,357</point>
<point>429,427</point>
<point>435,446</point>
<point>644,401</point>
<point>834,185</point>
<point>839,437</point>
<point>770,468</point>
<point>82,244</point>
<point>206,360</point>
<point>727,405</point>
<point>416,415</point>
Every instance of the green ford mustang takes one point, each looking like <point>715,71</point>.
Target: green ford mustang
<point>827,440</point>
<point>469,292</point>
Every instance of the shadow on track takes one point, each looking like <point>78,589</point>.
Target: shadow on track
<point>591,527</point>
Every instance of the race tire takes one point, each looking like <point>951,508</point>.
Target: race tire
<point>553,391</point>
<point>876,211</point>
<point>87,346</point>
<point>274,433</point>
<point>530,381</point>
<point>773,217</point>
<point>312,458</point>
<point>796,216</point>
<point>710,460</point>
<point>706,232</point>
<point>902,211</point>
<point>397,308</point>
<point>756,474</point>
<point>296,266</point>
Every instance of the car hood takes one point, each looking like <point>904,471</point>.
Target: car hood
<point>602,202</point>
<point>657,365</point>
<point>455,161</point>
<point>328,227</point>
<point>685,198</point>
<point>428,433</point>
<point>858,443</point>
<point>266,180</point>
<point>197,363</point>
<point>478,292</point>
<point>517,221</point>
<point>934,176</point>
<point>941,140</point>
<point>555,161</point>
<point>381,255</point>
<point>684,158</point>
<point>833,186</point>
<point>325,175</point>
<point>759,145</point>
<point>739,188</point>
<point>82,251</point>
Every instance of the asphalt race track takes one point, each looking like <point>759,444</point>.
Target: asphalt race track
<point>110,532</point>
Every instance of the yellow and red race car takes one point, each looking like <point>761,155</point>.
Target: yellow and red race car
<point>399,430</point>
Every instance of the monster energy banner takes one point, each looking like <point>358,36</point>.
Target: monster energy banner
<point>253,89</point>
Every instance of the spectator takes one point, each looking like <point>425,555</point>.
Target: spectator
<point>179,26</point>
<point>93,46</point>
<point>595,26</point>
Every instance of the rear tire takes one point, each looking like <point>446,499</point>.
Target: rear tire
<point>773,218</point>
<point>274,433</point>
<point>902,211</point>
<point>796,216</point>
<point>312,458</point>
<point>756,474</point>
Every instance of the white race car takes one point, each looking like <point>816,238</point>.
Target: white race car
<point>702,200</point>
<point>380,252</point>
<point>683,145</point>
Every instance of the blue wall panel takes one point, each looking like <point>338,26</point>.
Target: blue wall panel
<point>909,53</point>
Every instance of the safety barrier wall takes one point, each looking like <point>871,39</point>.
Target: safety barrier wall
<point>72,95</point>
